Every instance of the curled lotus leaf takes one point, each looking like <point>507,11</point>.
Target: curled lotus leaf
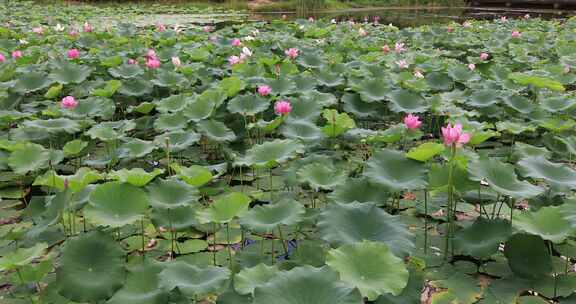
<point>192,280</point>
<point>554,173</point>
<point>116,204</point>
<point>267,218</point>
<point>395,172</point>
<point>271,153</point>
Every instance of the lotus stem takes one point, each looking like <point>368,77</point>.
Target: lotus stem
<point>262,247</point>
<point>228,245</point>
<point>143,240</point>
<point>214,243</point>
<point>425,222</point>
<point>282,240</point>
<point>23,283</point>
<point>168,156</point>
<point>272,250</point>
<point>450,209</point>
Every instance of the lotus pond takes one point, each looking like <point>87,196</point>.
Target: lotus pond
<point>288,162</point>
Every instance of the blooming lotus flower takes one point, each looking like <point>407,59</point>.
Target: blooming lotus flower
<point>213,38</point>
<point>516,34</point>
<point>236,42</point>
<point>153,63</point>
<point>176,61</point>
<point>311,19</point>
<point>402,64</point>
<point>87,27</point>
<point>450,29</point>
<point>233,60</point>
<point>418,74</point>
<point>38,30</point>
<point>249,38</point>
<point>151,54</point>
<point>73,33</point>
<point>160,27</point>
<point>412,122</point>
<point>246,52</point>
<point>68,102</point>
<point>59,27</point>
<point>207,28</point>
<point>527,16</point>
<point>73,53</point>
<point>292,52</point>
<point>453,135</point>
<point>2,58</point>
<point>132,61</point>
<point>467,23</point>
<point>17,54</point>
<point>362,32</point>
<point>484,56</point>
<point>503,19</point>
<point>264,90</point>
<point>333,21</point>
<point>399,47</point>
<point>471,67</point>
<point>567,69</point>
<point>386,49</point>
<point>282,107</point>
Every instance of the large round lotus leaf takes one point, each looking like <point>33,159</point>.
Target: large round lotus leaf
<point>306,285</point>
<point>135,176</point>
<point>179,218</point>
<point>249,278</point>
<point>554,173</point>
<point>196,176</point>
<point>248,105</point>
<point>216,130</point>
<point>54,125</point>
<point>194,281</point>
<point>305,110</point>
<point>273,152</point>
<point>82,178</point>
<point>177,140</point>
<point>536,81</point>
<point>525,150</point>
<point>171,122</point>
<point>304,82</point>
<point>231,297</point>
<point>501,178</point>
<point>170,79</point>
<point>548,222</point>
<point>71,73</point>
<point>126,71</point>
<point>142,286</point>
<point>462,74</point>
<point>439,81</point>
<point>425,151</point>
<point>225,208</point>
<point>320,176</point>
<point>393,170</point>
<point>519,103</point>
<point>411,293</point>
<point>93,107</point>
<point>91,268</point>
<point>406,101</point>
<point>356,222</point>
<point>171,194</point>
<point>556,104</point>
<point>482,238</point>
<point>359,190</point>
<point>135,148</point>
<point>21,256</point>
<point>528,256</point>
<point>31,82</point>
<point>483,98</point>
<point>115,204</point>
<point>302,130</point>
<point>202,106</point>
<point>311,60</point>
<point>28,157</point>
<point>174,103</point>
<point>282,86</point>
<point>354,104</point>
<point>329,78</point>
<point>266,218</point>
<point>370,267</point>
<point>373,90</point>
<point>136,87</point>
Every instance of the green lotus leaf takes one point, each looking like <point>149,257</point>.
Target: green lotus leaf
<point>91,269</point>
<point>359,190</point>
<point>282,86</point>
<point>108,90</point>
<point>528,256</point>
<point>330,79</point>
<point>71,73</point>
<point>232,85</point>
<point>202,106</point>
<point>373,90</point>
<point>126,71</point>
<point>267,218</point>
<point>248,105</point>
<point>394,171</point>
<point>21,256</point>
<point>171,193</point>
<point>337,123</point>
<point>225,208</point>
<point>514,127</point>
<point>484,98</point>
<point>178,218</point>
<point>536,81</point>
<point>171,122</point>
<point>194,281</point>
<point>302,130</point>
<point>273,152</point>
<point>341,224</point>
<point>136,87</point>
<point>76,183</point>
<point>196,176</point>
<point>320,176</point>
<point>462,74</point>
<point>142,108</point>
<point>32,82</point>
<point>439,81</point>
<point>370,267</point>
<point>142,286</point>
<point>548,223</point>
<point>314,286</point>
<point>54,126</point>
<point>482,238</point>
<point>554,173</point>
<point>29,157</point>
<point>135,148</point>
<point>177,140</point>
<point>519,103</point>
<point>135,176</point>
<point>248,279</point>
<point>74,147</point>
<point>556,104</point>
<point>355,105</point>
<point>425,151</point>
<point>110,130</point>
<point>501,178</point>
<point>406,101</point>
<point>557,124</point>
<point>305,110</point>
<point>216,130</point>
<point>170,79</point>
<point>115,204</point>
<point>526,150</point>
<point>173,103</point>
<point>311,60</point>
<point>93,107</point>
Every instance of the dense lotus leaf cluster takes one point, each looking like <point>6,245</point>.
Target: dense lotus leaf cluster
<point>288,163</point>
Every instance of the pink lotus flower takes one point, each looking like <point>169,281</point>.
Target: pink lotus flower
<point>207,29</point>
<point>87,27</point>
<point>264,90</point>
<point>132,61</point>
<point>453,135</point>
<point>68,102</point>
<point>386,49</point>
<point>73,33</point>
<point>399,47</point>
<point>160,27</point>
<point>236,42</point>
<point>282,107</point>
<point>471,67</point>
<point>292,53</point>
<point>516,34</point>
<point>467,23</point>
<point>73,53</point>
<point>503,19</point>
<point>150,53</point>
<point>153,63</point>
<point>484,56</point>
<point>527,16</point>
<point>234,60</point>
<point>402,64</point>
<point>17,54</point>
<point>38,30</point>
<point>176,61</point>
<point>2,58</point>
<point>412,122</point>
<point>418,74</point>
<point>450,29</point>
